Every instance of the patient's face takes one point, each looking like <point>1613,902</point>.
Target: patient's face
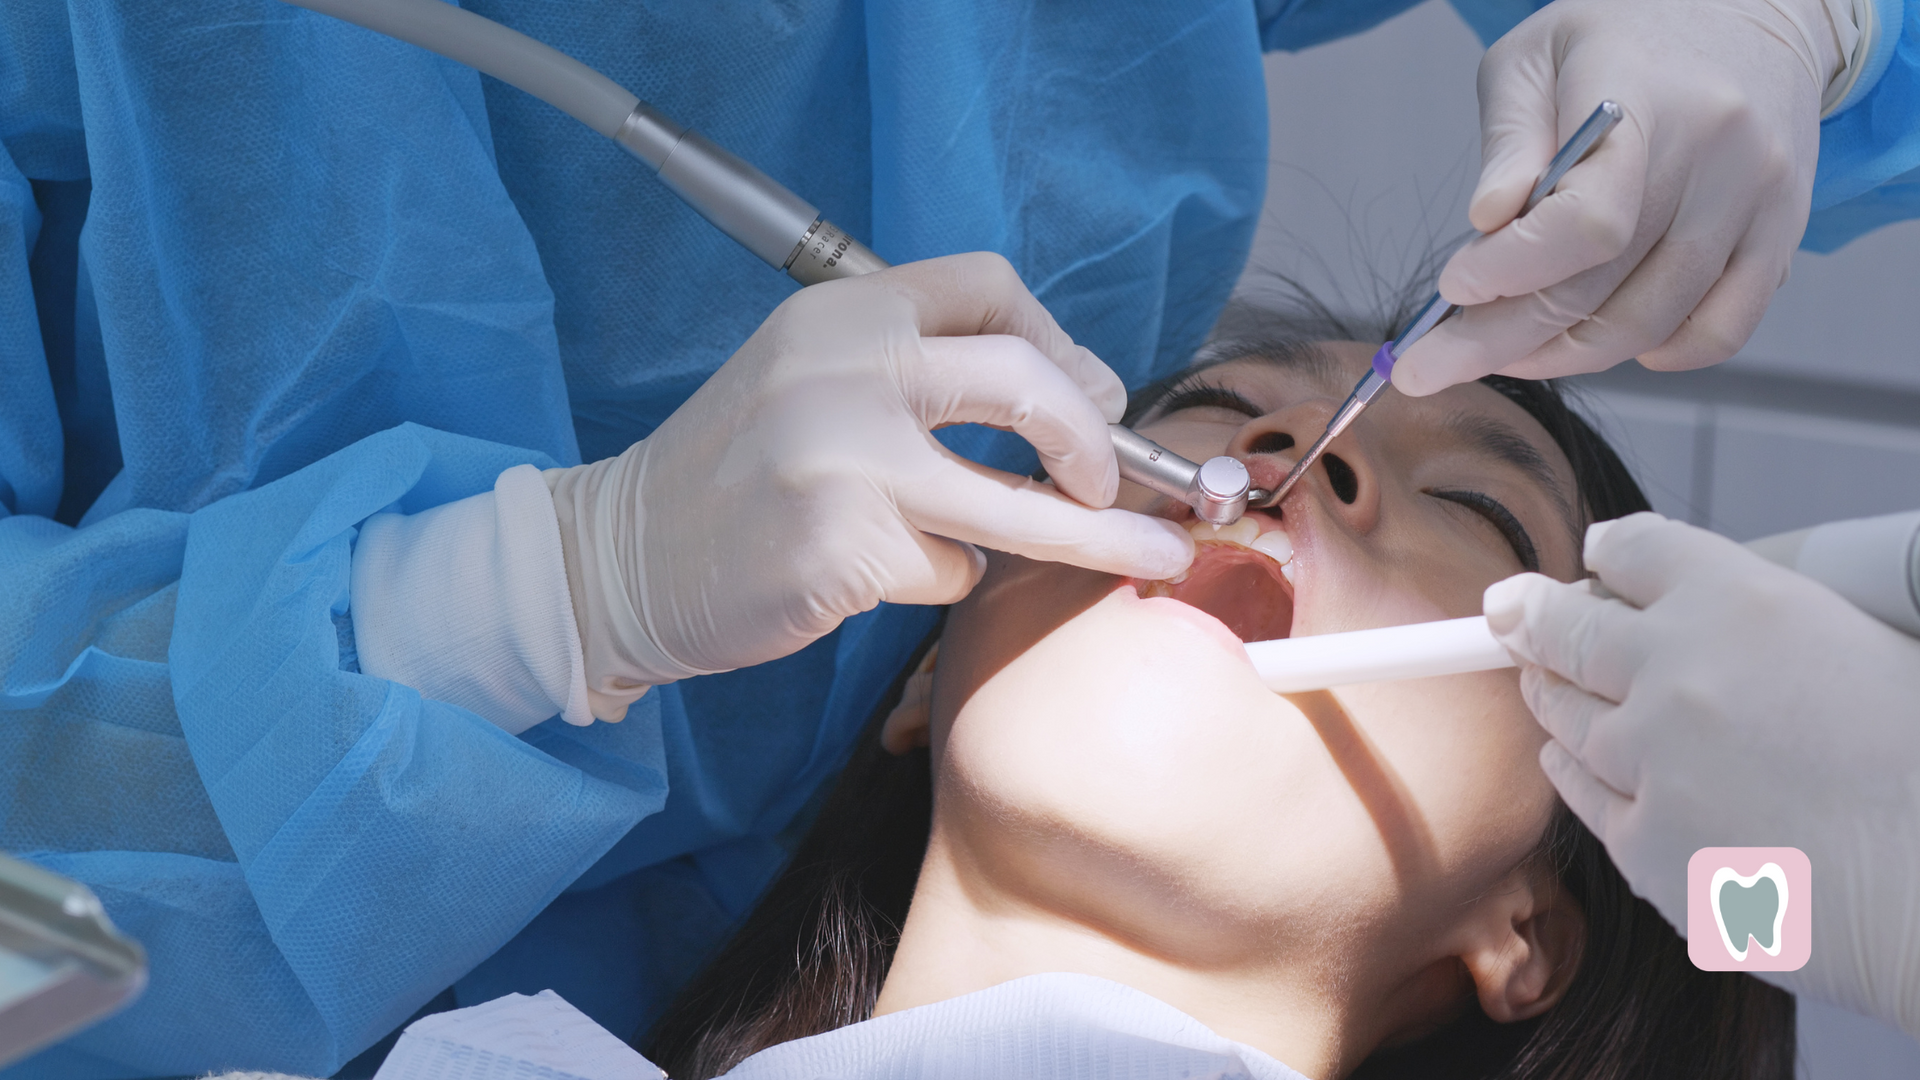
<point>1116,758</point>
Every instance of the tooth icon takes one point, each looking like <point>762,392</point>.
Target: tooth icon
<point>1749,909</point>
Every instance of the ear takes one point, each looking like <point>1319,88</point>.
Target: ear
<point>907,727</point>
<point>1526,940</point>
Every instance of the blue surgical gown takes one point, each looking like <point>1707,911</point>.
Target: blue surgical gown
<point>263,274</point>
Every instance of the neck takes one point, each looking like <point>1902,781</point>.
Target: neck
<point>966,932</point>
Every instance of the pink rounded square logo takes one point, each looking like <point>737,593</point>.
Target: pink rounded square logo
<point>1749,909</point>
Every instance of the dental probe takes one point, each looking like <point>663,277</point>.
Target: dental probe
<point>1436,311</point>
<point>784,230</point>
<point>1414,651</point>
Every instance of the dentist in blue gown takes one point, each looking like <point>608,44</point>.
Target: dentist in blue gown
<point>313,623</point>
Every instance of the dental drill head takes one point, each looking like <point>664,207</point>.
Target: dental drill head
<point>1217,490</point>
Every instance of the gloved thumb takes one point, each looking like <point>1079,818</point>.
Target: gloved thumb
<point>1519,132</point>
<point>1642,557</point>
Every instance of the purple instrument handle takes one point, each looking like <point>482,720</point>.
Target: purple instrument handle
<point>1383,361</point>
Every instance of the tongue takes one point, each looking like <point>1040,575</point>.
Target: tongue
<point>1241,588</point>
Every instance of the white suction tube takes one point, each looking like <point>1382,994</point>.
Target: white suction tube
<point>1415,651</point>
<point>1873,562</point>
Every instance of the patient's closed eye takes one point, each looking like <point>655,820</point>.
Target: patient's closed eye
<point>1502,519</point>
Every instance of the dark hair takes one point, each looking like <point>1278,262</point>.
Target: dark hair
<point>814,952</point>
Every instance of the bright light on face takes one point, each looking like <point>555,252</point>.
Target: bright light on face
<point>1113,756</point>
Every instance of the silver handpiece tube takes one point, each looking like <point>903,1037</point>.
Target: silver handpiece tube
<point>782,228</point>
<point>1151,465</point>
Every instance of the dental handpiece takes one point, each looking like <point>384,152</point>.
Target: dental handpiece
<point>1436,311</point>
<point>784,230</point>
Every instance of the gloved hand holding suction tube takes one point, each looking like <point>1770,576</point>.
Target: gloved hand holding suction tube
<point>1668,243</point>
<point>1717,699</point>
<point>800,484</point>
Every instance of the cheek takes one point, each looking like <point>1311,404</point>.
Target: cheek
<point>1407,572</point>
<point>1465,750</point>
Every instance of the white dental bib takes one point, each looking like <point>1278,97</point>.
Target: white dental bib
<point>1058,1026</point>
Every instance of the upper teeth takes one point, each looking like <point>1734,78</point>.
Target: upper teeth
<point>1240,532</point>
<point>1274,545</point>
<point>1246,533</point>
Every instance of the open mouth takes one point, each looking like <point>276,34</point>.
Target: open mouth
<point>1240,575</point>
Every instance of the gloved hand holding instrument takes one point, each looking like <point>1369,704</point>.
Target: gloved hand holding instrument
<point>1668,244</point>
<point>1715,699</point>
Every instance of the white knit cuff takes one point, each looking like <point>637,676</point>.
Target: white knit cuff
<point>468,604</point>
<point>1861,29</point>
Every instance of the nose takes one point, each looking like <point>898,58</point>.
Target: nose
<point>1343,480</point>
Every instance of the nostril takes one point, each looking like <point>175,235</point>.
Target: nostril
<point>1346,484</point>
<point>1271,443</point>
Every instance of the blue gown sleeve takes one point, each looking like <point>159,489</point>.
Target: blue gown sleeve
<point>177,728</point>
<point>307,853</point>
<point>1869,170</point>
<point>1870,150</point>
<point>1292,25</point>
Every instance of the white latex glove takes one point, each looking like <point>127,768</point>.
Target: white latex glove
<point>1723,701</point>
<point>1668,242</point>
<point>800,484</point>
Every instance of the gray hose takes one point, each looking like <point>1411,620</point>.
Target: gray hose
<point>746,204</point>
<point>485,45</point>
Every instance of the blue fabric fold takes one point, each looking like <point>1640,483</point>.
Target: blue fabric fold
<point>1870,151</point>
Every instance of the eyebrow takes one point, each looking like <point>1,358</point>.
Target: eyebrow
<point>1503,443</point>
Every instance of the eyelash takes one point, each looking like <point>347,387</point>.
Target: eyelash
<point>1500,518</point>
<point>1194,394</point>
<point>1200,395</point>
